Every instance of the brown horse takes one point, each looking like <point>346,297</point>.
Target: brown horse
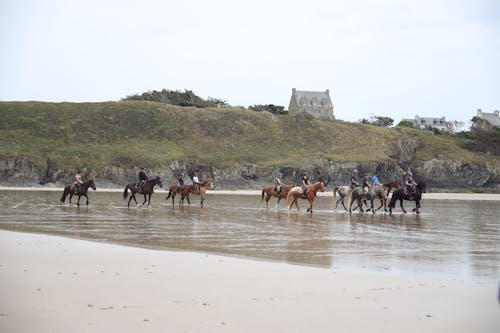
<point>72,190</point>
<point>147,190</point>
<point>269,192</point>
<point>203,189</point>
<point>390,186</point>
<point>297,192</point>
<point>187,190</point>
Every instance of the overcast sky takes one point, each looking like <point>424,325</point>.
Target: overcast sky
<point>388,57</point>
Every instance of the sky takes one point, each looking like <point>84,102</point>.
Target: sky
<point>393,58</point>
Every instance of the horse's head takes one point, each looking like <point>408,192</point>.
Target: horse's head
<point>157,181</point>
<point>92,184</point>
<point>421,186</point>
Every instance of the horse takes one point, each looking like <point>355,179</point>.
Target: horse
<point>71,189</point>
<point>297,192</point>
<point>147,190</point>
<point>343,192</point>
<point>187,190</point>
<point>269,192</point>
<point>390,186</point>
<point>203,189</point>
<point>400,195</point>
<point>359,194</point>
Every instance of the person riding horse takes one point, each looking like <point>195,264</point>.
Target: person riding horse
<point>375,180</point>
<point>196,183</point>
<point>78,180</point>
<point>143,178</point>
<point>365,185</point>
<point>305,184</point>
<point>410,185</point>
<point>180,178</point>
<point>278,186</point>
<point>354,179</point>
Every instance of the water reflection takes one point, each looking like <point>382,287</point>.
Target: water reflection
<point>458,237</point>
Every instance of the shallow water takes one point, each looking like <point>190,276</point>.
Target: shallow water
<point>459,238</point>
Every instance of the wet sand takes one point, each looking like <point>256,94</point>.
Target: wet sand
<point>56,284</point>
<point>440,196</point>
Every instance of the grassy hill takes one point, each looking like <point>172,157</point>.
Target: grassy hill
<point>132,133</point>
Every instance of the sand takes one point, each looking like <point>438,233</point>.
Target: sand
<point>56,284</point>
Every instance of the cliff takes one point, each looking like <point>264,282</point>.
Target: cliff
<point>45,143</point>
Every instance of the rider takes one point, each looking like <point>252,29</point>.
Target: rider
<point>366,183</point>
<point>142,179</point>
<point>278,186</point>
<point>180,178</point>
<point>196,183</point>
<point>305,183</point>
<point>375,180</point>
<point>78,179</point>
<point>410,184</point>
<point>354,179</point>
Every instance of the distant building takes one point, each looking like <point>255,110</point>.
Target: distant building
<point>315,103</point>
<point>492,118</point>
<point>439,123</point>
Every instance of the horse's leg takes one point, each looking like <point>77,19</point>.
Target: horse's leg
<point>87,199</point>
<point>310,209</point>
<point>401,204</point>
<point>295,199</point>
<point>78,202</point>
<point>145,199</point>
<point>417,206</point>
<point>132,196</point>
<point>268,197</point>
<point>149,198</point>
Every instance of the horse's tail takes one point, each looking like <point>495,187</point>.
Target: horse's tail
<point>65,194</point>
<point>125,193</point>
<point>169,194</point>
<point>263,192</point>
<point>335,189</point>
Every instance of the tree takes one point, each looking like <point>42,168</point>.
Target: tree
<point>378,121</point>
<point>177,97</point>
<point>406,123</point>
<point>268,107</point>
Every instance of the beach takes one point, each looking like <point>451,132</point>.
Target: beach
<point>57,284</point>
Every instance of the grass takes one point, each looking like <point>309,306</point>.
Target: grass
<point>131,133</point>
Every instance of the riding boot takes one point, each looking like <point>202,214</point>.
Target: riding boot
<point>304,194</point>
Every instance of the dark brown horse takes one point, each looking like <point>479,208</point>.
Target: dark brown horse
<point>72,190</point>
<point>147,190</point>
<point>297,192</point>
<point>269,192</point>
<point>400,195</point>
<point>187,190</point>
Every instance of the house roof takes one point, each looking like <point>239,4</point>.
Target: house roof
<point>310,95</point>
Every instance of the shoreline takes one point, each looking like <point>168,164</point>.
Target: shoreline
<point>437,195</point>
<point>59,284</point>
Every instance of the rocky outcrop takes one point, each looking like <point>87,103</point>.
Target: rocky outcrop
<point>438,174</point>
